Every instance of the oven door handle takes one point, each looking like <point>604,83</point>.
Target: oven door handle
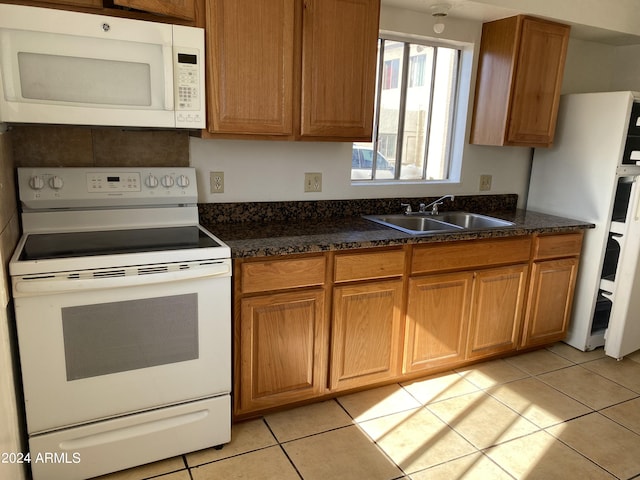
<point>45,286</point>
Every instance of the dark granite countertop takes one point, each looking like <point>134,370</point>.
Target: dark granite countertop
<point>256,239</point>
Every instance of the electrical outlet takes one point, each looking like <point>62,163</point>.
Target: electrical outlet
<point>216,180</point>
<point>313,182</point>
<point>485,183</point>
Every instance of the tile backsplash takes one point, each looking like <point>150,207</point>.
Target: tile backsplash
<point>70,146</point>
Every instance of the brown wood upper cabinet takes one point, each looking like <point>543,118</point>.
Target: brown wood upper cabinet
<point>184,12</point>
<point>172,8</point>
<point>76,3</point>
<point>520,73</point>
<point>282,69</point>
<point>339,46</point>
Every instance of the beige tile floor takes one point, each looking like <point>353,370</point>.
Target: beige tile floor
<point>554,413</point>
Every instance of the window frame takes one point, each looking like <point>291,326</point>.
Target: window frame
<point>404,84</point>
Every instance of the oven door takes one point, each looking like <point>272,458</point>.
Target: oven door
<point>104,343</point>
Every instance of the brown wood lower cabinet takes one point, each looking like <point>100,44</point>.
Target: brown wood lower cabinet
<point>312,326</point>
<point>282,348</point>
<point>550,299</point>
<point>497,309</point>
<point>553,281</point>
<point>365,341</point>
<point>437,320</point>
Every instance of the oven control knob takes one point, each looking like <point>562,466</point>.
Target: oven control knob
<point>36,183</point>
<point>151,181</point>
<point>167,181</point>
<point>56,183</point>
<point>182,181</point>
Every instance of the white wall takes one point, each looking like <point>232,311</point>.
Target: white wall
<point>589,67</point>
<point>594,67</point>
<point>626,71</point>
<point>271,171</point>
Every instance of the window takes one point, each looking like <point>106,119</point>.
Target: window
<point>414,114</point>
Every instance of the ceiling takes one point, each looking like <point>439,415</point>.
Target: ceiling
<point>483,12</point>
<point>459,8</point>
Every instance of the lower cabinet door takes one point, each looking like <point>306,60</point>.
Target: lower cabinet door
<point>365,344</point>
<point>550,301</point>
<point>282,349</point>
<point>437,320</point>
<point>496,310</point>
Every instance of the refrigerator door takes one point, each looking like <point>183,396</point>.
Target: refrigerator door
<point>623,334</point>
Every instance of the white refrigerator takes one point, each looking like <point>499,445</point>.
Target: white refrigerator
<point>592,174</point>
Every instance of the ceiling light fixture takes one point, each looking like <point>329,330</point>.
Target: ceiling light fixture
<point>439,12</point>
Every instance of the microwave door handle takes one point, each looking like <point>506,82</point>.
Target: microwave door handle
<point>167,53</point>
<point>63,285</point>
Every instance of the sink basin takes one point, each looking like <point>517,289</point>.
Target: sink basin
<point>425,223</point>
<point>414,224</point>
<point>471,220</point>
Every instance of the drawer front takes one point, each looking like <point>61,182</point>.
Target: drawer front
<point>556,246</point>
<point>282,274</point>
<point>364,266</point>
<point>463,255</point>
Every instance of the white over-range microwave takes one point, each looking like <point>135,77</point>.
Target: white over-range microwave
<point>61,67</point>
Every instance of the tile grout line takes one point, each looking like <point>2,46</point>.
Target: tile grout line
<point>579,401</point>
<point>577,451</point>
<point>354,423</point>
<point>186,464</point>
<point>593,410</point>
<point>528,375</point>
<point>283,450</point>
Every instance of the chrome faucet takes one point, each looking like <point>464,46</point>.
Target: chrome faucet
<point>407,208</point>
<point>434,205</point>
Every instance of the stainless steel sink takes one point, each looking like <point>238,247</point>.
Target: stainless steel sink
<point>426,223</point>
<point>472,220</point>
<point>414,224</point>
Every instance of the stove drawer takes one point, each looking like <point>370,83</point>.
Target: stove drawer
<point>108,446</point>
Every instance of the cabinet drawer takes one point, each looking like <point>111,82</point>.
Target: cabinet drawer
<point>554,246</point>
<point>364,266</point>
<point>470,254</point>
<point>282,274</point>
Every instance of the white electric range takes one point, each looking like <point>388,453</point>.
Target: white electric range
<point>123,312</point>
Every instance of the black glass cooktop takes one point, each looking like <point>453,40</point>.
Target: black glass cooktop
<point>43,246</point>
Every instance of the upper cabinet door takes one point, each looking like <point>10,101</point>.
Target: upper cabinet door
<point>536,92</point>
<point>172,8</point>
<point>520,70</point>
<point>339,39</point>
<point>250,56</point>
